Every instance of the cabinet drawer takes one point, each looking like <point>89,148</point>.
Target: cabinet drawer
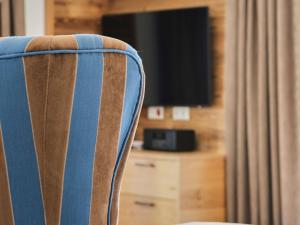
<point>138,210</point>
<point>151,177</point>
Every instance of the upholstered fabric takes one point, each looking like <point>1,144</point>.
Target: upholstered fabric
<point>69,107</point>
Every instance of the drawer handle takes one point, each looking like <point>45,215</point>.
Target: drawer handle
<point>151,165</point>
<point>146,204</point>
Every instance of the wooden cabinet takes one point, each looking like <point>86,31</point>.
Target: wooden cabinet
<point>144,210</point>
<point>162,188</point>
<point>148,176</point>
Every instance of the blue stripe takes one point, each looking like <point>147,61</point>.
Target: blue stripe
<point>13,45</point>
<point>132,92</point>
<point>131,103</point>
<point>87,41</point>
<point>79,166</point>
<point>19,146</point>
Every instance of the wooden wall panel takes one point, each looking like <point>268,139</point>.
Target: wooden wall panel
<point>78,16</point>
<point>83,16</point>
<point>123,6</point>
<point>85,26</point>
<point>50,17</point>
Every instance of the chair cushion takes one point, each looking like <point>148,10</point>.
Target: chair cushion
<point>69,107</point>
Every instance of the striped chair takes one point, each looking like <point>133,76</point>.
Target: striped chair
<point>69,107</point>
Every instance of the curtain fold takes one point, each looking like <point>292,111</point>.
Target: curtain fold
<point>262,111</point>
<point>12,17</point>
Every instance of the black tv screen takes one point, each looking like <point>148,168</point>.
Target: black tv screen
<point>175,48</point>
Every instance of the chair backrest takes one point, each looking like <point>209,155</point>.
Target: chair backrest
<point>69,107</point>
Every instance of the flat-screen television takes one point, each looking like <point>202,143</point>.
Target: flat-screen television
<point>175,48</point>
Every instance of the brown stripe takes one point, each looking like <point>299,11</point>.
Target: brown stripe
<point>6,211</point>
<point>60,42</point>
<point>118,179</point>
<point>113,91</point>
<point>50,81</point>
<point>113,43</point>
<point>39,44</point>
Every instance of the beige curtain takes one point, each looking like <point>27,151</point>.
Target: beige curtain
<point>263,111</point>
<point>12,17</point>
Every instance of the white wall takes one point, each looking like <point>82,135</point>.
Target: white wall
<point>34,17</point>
